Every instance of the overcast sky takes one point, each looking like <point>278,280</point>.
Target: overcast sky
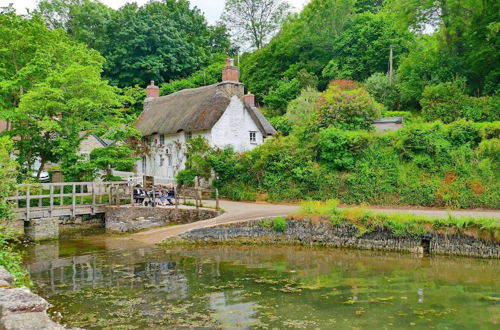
<point>211,8</point>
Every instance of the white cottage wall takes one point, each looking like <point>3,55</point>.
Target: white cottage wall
<point>234,127</point>
<point>165,160</point>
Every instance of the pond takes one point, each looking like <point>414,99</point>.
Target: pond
<point>104,283</point>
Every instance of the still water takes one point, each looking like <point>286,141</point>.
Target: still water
<point>98,284</point>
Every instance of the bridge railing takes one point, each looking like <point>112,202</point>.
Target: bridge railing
<point>69,195</point>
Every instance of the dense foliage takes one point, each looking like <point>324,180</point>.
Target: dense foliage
<point>161,40</point>
<point>8,172</point>
<point>431,164</point>
<point>346,105</point>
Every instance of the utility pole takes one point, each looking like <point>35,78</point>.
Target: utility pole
<point>391,73</point>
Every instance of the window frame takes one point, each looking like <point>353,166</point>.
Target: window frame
<point>253,137</point>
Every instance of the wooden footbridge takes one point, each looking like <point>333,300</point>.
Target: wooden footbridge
<point>72,199</point>
<point>44,200</point>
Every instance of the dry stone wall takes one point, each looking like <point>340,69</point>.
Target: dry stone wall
<point>323,233</point>
<point>124,219</point>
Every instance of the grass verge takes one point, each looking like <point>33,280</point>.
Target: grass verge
<point>401,223</point>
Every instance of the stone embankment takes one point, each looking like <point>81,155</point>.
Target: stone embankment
<point>123,219</point>
<point>21,309</point>
<point>307,232</point>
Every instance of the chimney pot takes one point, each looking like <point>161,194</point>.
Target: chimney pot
<point>249,99</point>
<point>230,72</point>
<point>152,90</point>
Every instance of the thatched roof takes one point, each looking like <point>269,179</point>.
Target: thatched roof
<point>195,109</point>
<point>264,126</point>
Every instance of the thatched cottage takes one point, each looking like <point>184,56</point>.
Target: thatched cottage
<point>221,113</point>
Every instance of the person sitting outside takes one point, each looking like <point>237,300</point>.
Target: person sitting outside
<point>170,194</point>
<point>139,194</point>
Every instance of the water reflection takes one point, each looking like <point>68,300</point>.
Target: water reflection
<point>245,287</point>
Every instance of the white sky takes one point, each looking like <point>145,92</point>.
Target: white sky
<point>211,8</point>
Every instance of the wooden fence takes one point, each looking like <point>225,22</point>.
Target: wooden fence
<point>40,200</point>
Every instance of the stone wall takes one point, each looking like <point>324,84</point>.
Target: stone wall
<point>345,236</point>
<point>42,229</point>
<point>124,218</point>
<point>22,309</point>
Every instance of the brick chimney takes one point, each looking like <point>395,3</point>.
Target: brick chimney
<point>152,90</point>
<point>249,99</point>
<point>230,72</point>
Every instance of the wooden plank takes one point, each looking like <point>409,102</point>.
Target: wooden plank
<point>216,199</point>
<point>73,200</point>
<point>93,197</point>
<point>28,200</point>
<point>61,192</point>
<point>51,199</point>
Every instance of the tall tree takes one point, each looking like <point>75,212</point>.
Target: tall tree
<point>363,48</point>
<point>304,42</point>
<point>254,22</point>
<point>468,33</point>
<point>162,41</point>
<point>83,20</point>
<point>53,90</point>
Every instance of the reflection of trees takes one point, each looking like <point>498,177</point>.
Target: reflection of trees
<point>92,271</point>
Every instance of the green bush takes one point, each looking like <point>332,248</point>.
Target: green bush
<point>383,91</point>
<point>444,101</point>
<point>345,105</point>
<point>339,149</point>
<point>447,102</point>
<point>185,177</point>
<point>279,224</point>
<point>302,110</point>
<point>10,258</point>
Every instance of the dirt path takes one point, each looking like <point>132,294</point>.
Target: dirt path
<point>238,211</point>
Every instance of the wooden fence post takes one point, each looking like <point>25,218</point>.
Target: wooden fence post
<point>216,199</point>
<point>61,192</point>
<point>51,198</point>
<point>73,200</point>
<point>28,201</point>
<point>93,197</point>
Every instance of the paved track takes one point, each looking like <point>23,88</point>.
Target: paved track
<point>238,211</point>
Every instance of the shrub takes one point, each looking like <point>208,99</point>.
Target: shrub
<point>301,111</point>
<point>383,91</point>
<point>279,224</point>
<point>281,124</point>
<point>10,259</point>
<point>339,149</point>
<point>8,173</point>
<point>447,102</point>
<point>279,96</point>
<point>345,105</point>
<point>444,101</point>
<point>185,177</point>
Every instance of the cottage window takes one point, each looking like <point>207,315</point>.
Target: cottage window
<point>144,163</point>
<point>189,135</point>
<point>162,139</point>
<point>253,137</point>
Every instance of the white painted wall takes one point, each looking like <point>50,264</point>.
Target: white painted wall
<point>233,128</point>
